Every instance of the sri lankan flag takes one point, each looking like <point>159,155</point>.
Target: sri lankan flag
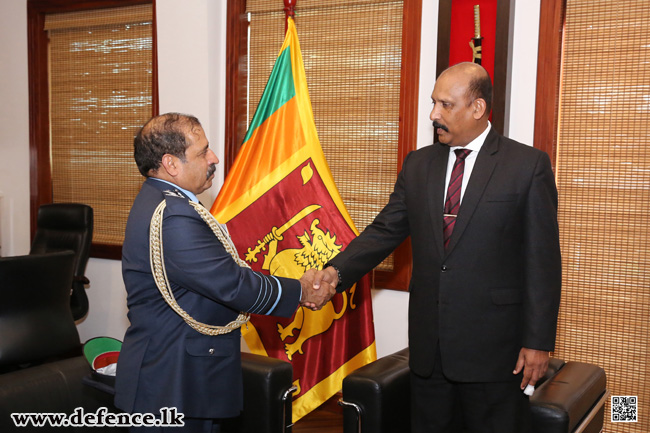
<point>285,216</point>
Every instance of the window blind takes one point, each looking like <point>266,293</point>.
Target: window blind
<point>100,94</point>
<point>603,173</point>
<point>352,55</point>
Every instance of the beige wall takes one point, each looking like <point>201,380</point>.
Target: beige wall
<point>14,129</point>
<point>191,54</point>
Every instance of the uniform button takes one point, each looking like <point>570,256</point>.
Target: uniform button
<point>211,351</point>
<point>443,268</point>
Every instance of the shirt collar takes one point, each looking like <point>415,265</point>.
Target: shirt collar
<point>184,191</point>
<point>476,144</point>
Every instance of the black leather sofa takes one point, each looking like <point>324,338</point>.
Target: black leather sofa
<point>571,397</point>
<point>52,387</point>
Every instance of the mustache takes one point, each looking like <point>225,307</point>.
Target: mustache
<point>440,125</point>
<point>211,170</point>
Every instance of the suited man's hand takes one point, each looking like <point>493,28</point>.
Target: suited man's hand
<point>534,362</point>
<point>327,276</point>
<point>312,298</point>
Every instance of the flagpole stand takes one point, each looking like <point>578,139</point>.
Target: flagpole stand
<point>289,11</point>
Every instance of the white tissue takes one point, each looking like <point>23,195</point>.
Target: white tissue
<point>109,370</point>
<point>529,390</point>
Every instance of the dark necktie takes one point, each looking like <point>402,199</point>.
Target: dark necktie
<point>452,203</point>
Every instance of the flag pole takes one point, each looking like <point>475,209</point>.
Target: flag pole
<point>289,11</point>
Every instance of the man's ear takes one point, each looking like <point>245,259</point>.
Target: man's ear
<point>478,108</point>
<point>169,163</point>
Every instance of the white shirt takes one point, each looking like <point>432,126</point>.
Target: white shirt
<point>475,146</point>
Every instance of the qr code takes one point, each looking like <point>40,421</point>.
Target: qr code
<point>624,408</point>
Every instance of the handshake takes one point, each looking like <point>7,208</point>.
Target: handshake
<point>318,287</point>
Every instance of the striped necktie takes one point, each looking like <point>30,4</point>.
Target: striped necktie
<point>452,203</point>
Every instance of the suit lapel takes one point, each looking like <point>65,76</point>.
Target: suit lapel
<point>435,192</point>
<point>481,174</point>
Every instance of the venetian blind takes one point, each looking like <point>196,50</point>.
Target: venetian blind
<point>100,94</point>
<point>352,56</point>
<point>603,173</point>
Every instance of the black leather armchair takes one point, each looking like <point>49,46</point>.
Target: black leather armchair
<point>571,397</point>
<point>67,226</point>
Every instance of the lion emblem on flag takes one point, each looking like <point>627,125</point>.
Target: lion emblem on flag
<point>318,247</point>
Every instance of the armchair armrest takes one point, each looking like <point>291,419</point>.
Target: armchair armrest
<point>376,397</point>
<point>572,400</point>
<point>267,396</point>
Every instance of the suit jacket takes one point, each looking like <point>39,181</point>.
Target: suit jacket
<point>164,362</point>
<point>496,288</point>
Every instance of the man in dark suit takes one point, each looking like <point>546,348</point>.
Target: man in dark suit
<point>178,351</point>
<point>485,288</point>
